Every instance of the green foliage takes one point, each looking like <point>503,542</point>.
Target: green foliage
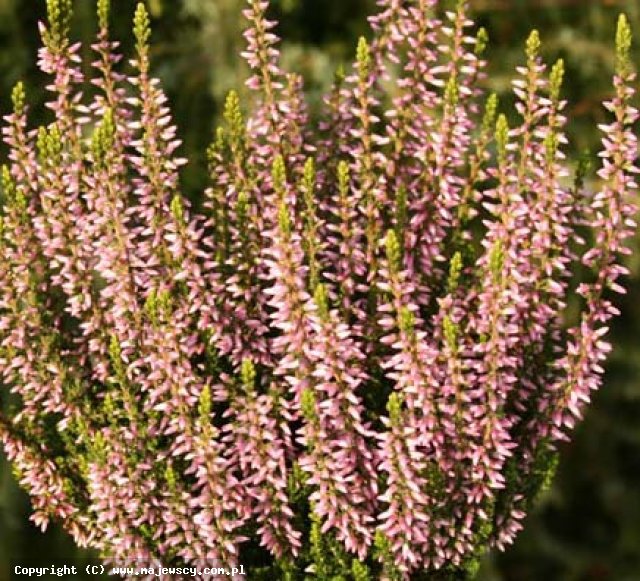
<point>115,356</point>
<point>329,561</point>
<point>383,552</point>
<point>401,212</point>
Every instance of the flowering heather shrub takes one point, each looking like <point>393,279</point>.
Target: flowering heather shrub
<point>354,364</point>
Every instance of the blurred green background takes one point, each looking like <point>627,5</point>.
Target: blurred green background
<point>588,526</point>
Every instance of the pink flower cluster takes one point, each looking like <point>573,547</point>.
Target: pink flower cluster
<point>357,354</point>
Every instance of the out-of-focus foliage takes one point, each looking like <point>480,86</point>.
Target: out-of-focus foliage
<point>576,30</point>
<point>588,526</point>
<point>313,52</point>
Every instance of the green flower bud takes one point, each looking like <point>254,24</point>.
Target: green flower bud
<point>204,403</point>
<point>279,175</point>
<point>234,118</point>
<point>406,320</point>
<point>141,28</point>
<point>555,80</point>
<point>624,38</point>
<point>41,142</point>
<point>49,143</point>
<point>284,219</point>
<point>455,268</point>
<point>502,138</point>
<point>59,14</point>
<point>309,179</point>
<point>363,58</point>
<point>55,144</point>
<point>490,111</point>
<point>151,306</point>
<point>248,374</point>
<point>394,407</point>
<point>104,8</point>
<point>550,147</point>
<point>394,252</point>
<point>451,92</point>
<point>8,184</point>
<point>308,405</point>
<point>482,40</point>
<point>13,196</point>
<point>18,99</point>
<point>177,211</point>
<point>321,300</point>
<point>170,478</point>
<point>165,303</point>
<point>450,331</point>
<point>103,137</point>
<point>343,178</point>
<point>533,45</point>
<point>115,352</point>
<point>496,260</point>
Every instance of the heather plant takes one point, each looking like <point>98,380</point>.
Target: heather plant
<point>354,363</point>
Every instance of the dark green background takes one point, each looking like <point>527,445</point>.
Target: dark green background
<point>588,526</point>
